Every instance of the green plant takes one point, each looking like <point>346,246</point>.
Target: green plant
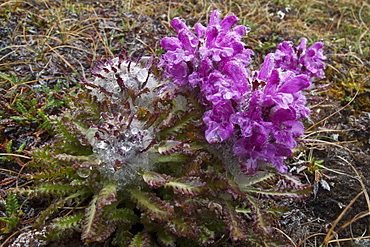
<point>12,214</point>
<point>131,165</point>
<point>12,78</point>
<point>29,105</point>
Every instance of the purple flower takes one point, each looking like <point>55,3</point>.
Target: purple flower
<point>210,48</point>
<point>301,60</point>
<point>217,121</point>
<point>261,109</point>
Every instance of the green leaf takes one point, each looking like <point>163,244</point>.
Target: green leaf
<point>166,239</point>
<point>61,227</point>
<point>168,147</point>
<point>186,185</point>
<point>89,228</point>
<point>54,189</point>
<point>156,208</point>
<point>260,219</point>
<point>180,124</point>
<point>21,147</point>
<point>154,179</point>
<point>19,119</point>
<point>184,227</point>
<point>12,204</point>
<point>176,158</point>
<point>298,194</point>
<point>20,107</point>
<point>141,239</point>
<point>12,207</point>
<point>235,224</point>
<point>93,229</point>
<point>8,146</point>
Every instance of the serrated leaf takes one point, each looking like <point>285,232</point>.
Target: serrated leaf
<point>207,237</point>
<point>54,189</point>
<point>175,157</point>
<point>168,147</point>
<point>91,228</point>
<point>187,185</point>
<point>250,181</point>
<point>156,208</point>
<point>184,227</point>
<point>107,195</point>
<point>12,204</point>
<point>60,227</point>
<point>298,194</point>
<point>141,239</point>
<point>75,158</point>
<point>88,227</point>
<point>166,239</point>
<point>257,214</point>
<point>122,215</point>
<point>122,238</point>
<point>234,223</point>
<point>181,123</point>
<point>85,192</point>
<point>154,179</point>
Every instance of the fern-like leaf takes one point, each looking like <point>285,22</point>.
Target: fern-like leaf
<point>53,190</point>
<point>141,239</point>
<point>154,179</point>
<point>184,227</point>
<point>186,185</point>
<point>91,231</point>
<point>62,227</point>
<point>235,223</point>
<point>12,204</point>
<point>166,239</point>
<point>168,147</point>
<point>156,208</point>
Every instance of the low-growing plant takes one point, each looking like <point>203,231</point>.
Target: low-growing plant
<point>12,214</point>
<point>142,158</point>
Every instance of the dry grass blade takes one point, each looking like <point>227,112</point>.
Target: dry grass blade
<point>289,238</point>
<point>311,236</point>
<point>331,233</point>
<point>64,60</point>
<point>324,119</point>
<point>12,235</point>
<point>360,180</point>
<point>348,239</point>
<point>15,155</point>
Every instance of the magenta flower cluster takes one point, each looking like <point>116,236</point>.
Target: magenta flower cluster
<point>258,110</point>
